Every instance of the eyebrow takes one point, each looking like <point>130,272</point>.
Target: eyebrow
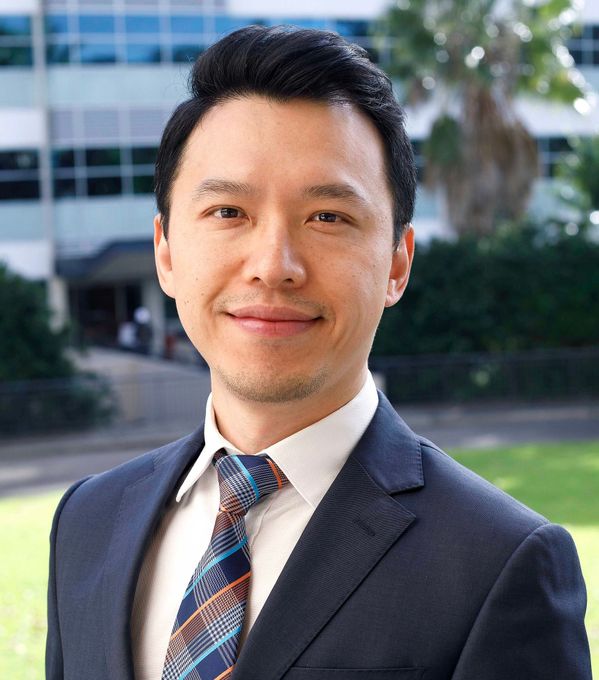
<point>216,186</point>
<point>344,191</point>
<point>222,186</point>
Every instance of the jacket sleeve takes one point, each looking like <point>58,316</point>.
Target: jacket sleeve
<point>54,657</point>
<point>531,625</point>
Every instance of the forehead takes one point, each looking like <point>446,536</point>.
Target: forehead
<point>251,138</point>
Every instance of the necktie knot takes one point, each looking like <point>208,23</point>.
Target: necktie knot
<point>244,480</point>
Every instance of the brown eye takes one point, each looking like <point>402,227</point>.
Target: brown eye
<point>327,217</point>
<point>227,213</point>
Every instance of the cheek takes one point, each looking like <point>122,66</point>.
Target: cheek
<point>370,275</point>
<point>361,290</point>
<point>198,260</point>
<point>202,272</point>
<point>190,283</point>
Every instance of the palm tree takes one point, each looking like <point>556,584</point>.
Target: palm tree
<point>578,187</point>
<point>473,57</point>
<point>581,170</point>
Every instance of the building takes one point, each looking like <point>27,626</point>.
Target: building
<point>85,89</point>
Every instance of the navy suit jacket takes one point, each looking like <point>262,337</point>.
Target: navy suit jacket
<point>411,568</point>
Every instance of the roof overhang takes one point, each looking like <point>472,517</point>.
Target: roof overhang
<point>118,262</point>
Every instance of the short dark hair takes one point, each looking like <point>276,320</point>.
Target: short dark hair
<point>284,63</point>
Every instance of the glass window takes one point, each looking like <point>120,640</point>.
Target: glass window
<point>595,57</point>
<point>187,24</point>
<point>559,144</point>
<point>352,28</point>
<point>144,155</point>
<point>110,156</point>
<point>18,160</point>
<point>15,25</point>
<point>90,53</point>
<point>226,24</point>
<point>143,184</point>
<point>96,23</point>
<point>58,53</point>
<point>19,190</point>
<point>65,188</point>
<point>302,23</point>
<point>185,54</point>
<point>63,158</point>
<point>595,32</point>
<point>16,56</point>
<point>143,54</point>
<point>140,23</point>
<point>576,54</point>
<point>57,23</point>
<point>104,186</point>
<point>547,167</point>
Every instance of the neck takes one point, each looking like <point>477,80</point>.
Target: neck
<point>253,426</point>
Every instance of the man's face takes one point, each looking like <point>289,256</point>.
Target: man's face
<point>280,252</point>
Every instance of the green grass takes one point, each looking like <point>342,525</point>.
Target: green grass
<point>561,481</point>
<point>24,530</point>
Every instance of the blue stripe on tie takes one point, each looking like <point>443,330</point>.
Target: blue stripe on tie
<point>216,560</point>
<point>216,645</point>
<point>248,475</point>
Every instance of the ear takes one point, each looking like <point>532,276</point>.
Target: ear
<point>162,257</point>
<point>400,268</point>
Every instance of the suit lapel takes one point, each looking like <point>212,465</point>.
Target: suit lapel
<point>353,527</point>
<point>142,504</point>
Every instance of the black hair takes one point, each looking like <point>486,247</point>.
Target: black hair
<point>284,63</point>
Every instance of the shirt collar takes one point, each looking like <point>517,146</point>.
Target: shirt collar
<point>310,458</point>
<point>213,442</point>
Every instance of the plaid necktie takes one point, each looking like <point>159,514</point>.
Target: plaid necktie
<point>205,637</point>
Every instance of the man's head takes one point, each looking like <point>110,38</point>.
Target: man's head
<point>286,235</point>
<point>286,64</point>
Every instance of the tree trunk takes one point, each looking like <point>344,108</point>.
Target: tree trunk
<point>493,177</point>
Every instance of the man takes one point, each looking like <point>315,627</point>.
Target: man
<point>285,189</point>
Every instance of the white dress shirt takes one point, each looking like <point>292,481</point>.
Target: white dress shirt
<point>310,458</point>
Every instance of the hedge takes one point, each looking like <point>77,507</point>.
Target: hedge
<point>517,291</point>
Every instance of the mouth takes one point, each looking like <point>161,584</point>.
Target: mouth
<point>273,322</point>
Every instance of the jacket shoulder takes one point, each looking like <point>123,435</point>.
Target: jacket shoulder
<point>472,511</point>
<point>99,495</point>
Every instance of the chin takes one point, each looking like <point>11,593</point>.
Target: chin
<point>272,389</point>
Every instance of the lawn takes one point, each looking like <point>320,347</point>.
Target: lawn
<point>24,528</point>
<point>561,481</point>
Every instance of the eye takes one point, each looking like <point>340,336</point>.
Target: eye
<point>227,213</point>
<point>327,217</point>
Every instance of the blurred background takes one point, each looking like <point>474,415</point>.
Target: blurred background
<point>494,350</point>
<point>502,114</point>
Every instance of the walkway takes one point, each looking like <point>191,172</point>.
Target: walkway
<point>35,464</point>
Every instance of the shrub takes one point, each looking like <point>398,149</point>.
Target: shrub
<point>516,291</point>
<point>40,388</point>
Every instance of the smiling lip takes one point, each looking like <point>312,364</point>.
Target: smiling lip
<point>272,321</point>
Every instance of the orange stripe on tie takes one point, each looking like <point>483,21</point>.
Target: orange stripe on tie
<point>275,472</point>
<point>226,673</point>
<point>220,592</point>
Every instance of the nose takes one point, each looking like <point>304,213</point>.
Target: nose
<point>275,257</point>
